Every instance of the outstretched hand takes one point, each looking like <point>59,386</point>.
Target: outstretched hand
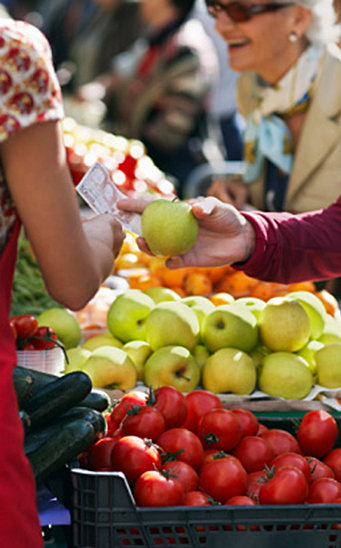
<point>224,235</point>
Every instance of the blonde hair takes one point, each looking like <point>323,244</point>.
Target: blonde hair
<point>323,28</point>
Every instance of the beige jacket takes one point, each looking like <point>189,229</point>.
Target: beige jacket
<point>315,180</point>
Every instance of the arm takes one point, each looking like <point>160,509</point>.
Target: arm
<point>293,248</point>
<point>74,258</point>
<point>278,247</point>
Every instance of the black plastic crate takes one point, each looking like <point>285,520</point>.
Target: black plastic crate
<point>104,515</point>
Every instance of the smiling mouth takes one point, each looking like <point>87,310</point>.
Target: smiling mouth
<point>234,44</point>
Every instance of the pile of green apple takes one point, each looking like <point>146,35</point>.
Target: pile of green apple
<point>281,347</point>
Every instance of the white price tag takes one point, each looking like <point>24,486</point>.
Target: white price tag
<point>101,194</point>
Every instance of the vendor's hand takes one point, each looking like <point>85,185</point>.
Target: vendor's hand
<point>230,190</point>
<point>106,231</point>
<point>224,235</point>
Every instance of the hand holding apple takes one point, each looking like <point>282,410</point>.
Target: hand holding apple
<point>224,235</point>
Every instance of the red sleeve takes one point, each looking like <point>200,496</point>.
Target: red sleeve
<point>293,248</point>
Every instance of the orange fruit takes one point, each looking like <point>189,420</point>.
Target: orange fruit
<point>180,291</point>
<point>197,283</point>
<point>174,278</point>
<point>217,273</point>
<point>237,283</point>
<point>262,291</point>
<point>146,281</point>
<point>302,286</point>
<point>221,298</point>
<point>329,301</point>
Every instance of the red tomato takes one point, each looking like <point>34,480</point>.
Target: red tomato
<point>25,325</point>
<point>133,456</point>
<point>199,402</point>
<point>292,459</point>
<point>183,445</point>
<point>255,481</point>
<point>281,441</point>
<point>197,498</point>
<point>184,473</point>
<point>240,500</point>
<point>333,460</point>
<point>145,422</point>
<point>44,338</point>
<point>319,469</point>
<point>324,491</point>
<point>254,453</point>
<point>219,429</point>
<point>317,433</point>
<point>248,421</point>
<point>223,478</point>
<point>262,428</point>
<point>134,397</point>
<point>99,454</point>
<point>211,454</point>
<point>154,489</point>
<point>172,404</point>
<point>288,486</point>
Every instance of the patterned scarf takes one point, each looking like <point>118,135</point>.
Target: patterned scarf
<point>266,135</point>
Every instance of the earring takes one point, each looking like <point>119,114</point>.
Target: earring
<point>293,36</point>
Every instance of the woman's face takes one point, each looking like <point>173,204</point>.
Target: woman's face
<point>262,43</point>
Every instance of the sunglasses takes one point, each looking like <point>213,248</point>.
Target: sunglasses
<point>240,13</point>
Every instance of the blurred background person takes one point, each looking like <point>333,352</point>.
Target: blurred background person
<point>158,90</point>
<point>223,101</point>
<point>289,93</point>
<point>86,34</point>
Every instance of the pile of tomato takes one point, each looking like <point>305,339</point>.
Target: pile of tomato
<point>29,335</point>
<point>189,450</point>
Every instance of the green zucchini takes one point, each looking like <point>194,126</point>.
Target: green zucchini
<point>61,448</point>
<point>37,437</point>
<point>27,382</point>
<point>57,397</point>
<point>97,399</point>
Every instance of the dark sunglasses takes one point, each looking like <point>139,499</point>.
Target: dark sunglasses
<point>240,13</point>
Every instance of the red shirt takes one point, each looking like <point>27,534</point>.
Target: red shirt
<point>292,248</point>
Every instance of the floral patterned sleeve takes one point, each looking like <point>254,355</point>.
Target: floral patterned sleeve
<point>29,89</point>
<point>29,94</point>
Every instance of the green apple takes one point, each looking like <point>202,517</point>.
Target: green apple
<point>258,353</point>
<point>285,375</point>
<point>284,325</point>
<point>161,294</point>
<point>172,366</point>
<point>172,323</point>
<point>308,352</point>
<point>127,315</point>
<point>314,308</point>
<point>332,331</point>
<point>201,354</point>
<point>169,227</point>
<point>63,323</point>
<point>111,368</point>
<point>229,370</point>
<point>77,357</point>
<point>230,325</point>
<point>101,340</point>
<point>138,352</point>
<point>328,366</point>
<point>254,304</point>
<point>201,306</point>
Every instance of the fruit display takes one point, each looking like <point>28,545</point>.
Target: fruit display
<point>247,347</point>
<point>173,447</point>
<point>145,272</point>
<point>130,168</point>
